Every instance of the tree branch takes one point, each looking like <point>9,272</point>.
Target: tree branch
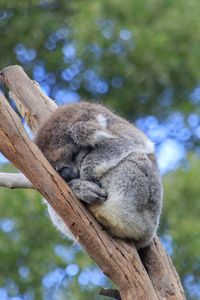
<point>152,258</point>
<point>161,271</point>
<point>14,180</point>
<point>110,293</point>
<point>27,94</point>
<point>117,259</point>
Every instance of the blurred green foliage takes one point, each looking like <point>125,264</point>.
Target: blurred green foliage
<point>181,220</point>
<point>163,53</point>
<point>160,57</point>
<point>140,58</point>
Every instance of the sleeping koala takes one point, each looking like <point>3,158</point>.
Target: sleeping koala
<point>109,164</point>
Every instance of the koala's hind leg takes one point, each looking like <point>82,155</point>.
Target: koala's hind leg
<point>87,191</point>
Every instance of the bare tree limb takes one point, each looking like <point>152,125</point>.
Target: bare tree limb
<point>110,293</point>
<point>117,259</point>
<point>29,93</point>
<point>14,180</point>
<point>166,282</point>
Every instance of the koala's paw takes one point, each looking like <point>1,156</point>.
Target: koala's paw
<point>87,191</point>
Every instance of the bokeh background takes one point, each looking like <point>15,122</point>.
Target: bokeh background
<point>142,60</point>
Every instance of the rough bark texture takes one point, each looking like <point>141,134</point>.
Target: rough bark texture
<point>110,293</point>
<point>27,94</point>
<point>117,259</point>
<point>157,262</point>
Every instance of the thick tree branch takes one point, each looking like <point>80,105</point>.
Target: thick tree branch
<point>156,261</point>
<point>117,259</point>
<point>27,94</point>
<point>152,259</point>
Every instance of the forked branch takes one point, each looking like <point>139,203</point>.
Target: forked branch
<point>117,259</point>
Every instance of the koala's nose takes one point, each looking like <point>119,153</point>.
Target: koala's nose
<point>67,174</point>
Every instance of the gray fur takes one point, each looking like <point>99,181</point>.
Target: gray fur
<point>109,164</point>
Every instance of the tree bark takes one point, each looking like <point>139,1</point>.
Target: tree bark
<point>110,293</point>
<point>161,271</point>
<point>119,261</point>
<point>14,180</point>
<point>33,105</point>
<point>157,278</point>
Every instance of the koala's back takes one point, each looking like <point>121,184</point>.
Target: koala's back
<point>54,129</point>
<point>134,201</point>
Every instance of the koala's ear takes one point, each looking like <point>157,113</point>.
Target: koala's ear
<point>100,136</point>
<point>88,133</point>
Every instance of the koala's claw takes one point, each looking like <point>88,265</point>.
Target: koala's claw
<point>95,196</point>
<point>87,191</point>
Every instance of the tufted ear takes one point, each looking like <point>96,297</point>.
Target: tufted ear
<point>88,133</point>
<point>100,136</point>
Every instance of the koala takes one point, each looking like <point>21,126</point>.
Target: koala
<point>109,164</point>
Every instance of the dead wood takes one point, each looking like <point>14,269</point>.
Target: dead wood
<point>156,278</point>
